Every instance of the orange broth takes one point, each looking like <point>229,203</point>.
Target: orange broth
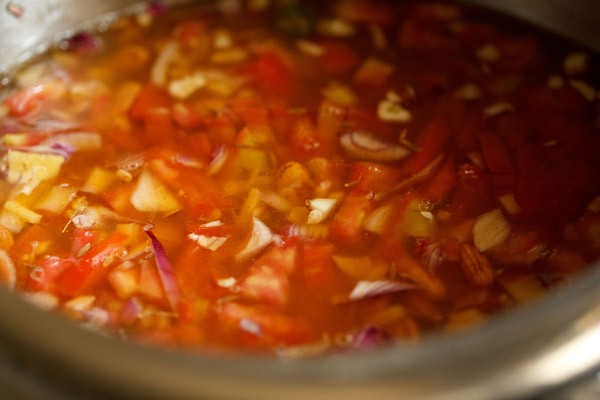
<point>301,177</point>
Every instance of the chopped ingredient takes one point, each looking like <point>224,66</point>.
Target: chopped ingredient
<point>490,229</point>
<point>298,177</point>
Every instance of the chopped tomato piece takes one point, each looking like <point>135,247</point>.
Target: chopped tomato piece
<point>267,280</point>
<point>365,11</point>
<point>149,97</point>
<point>270,73</point>
<point>338,57</point>
<point>46,274</point>
<point>442,183</point>
<point>473,192</point>
<point>346,226</point>
<point>191,35</point>
<point>318,267</point>
<point>26,101</point>
<point>92,267</point>
<point>158,125</point>
<point>495,153</point>
<point>264,325</point>
<point>430,141</point>
<point>366,176</point>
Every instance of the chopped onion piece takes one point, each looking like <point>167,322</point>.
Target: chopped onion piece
<point>325,205</point>
<point>99,217</point>
<point>556,82</point>
<point>78,141</point>
<point>336,27</point>
<point>8,273</point>
<point>468,92</point>
<point>211,243</point>
<point>392,111</point>
<point>43,300</point>
<point>584,88</point>
<point>80,303</point>
<point>151,195</point>
<point>575,63</point>
<point>82,41</point>
<point>488,53</point>
<point>158,74</point>
<point>364,146</point>
<point>250,326</point>
<point>497,109</point>
<point>222,39</point>
<point>227,282</point>
<point>339,94</point>
<point>378,36</point>
<point>131,311</point>
<point>368,289</point>
<point>490,229</point>
<point>156,8</point>
<point>313,231</point>
<point>165,271</point>
<point>185,87</point>
<point>370,337</point>
<point>509,203</point>
<point>218,160</point>
<point>98,181</point>
<point>260,238</point>
<point>377,221</point>
<point>594,206</point>
<point>31,169</point>
<point>310,48</point>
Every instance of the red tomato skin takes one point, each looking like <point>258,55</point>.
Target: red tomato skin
<point>346,227</point>
<point>272,75</point>
<point>370,176</point>
<point>473,194</point>
<point>149,97</point>
<point>85,274</point>
<point>318,267</point>
<point>431,142</point>
<point>51,269</point>
<point>338,58</point>
<point>553,184</point>
<point>272,326</point>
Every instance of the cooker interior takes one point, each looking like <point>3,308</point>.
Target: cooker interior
<point>530,350</point>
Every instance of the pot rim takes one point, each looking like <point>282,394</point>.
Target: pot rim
<point>525,346</point>
<point>512,354</point>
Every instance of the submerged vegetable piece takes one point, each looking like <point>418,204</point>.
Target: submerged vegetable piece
<point>307,177</point>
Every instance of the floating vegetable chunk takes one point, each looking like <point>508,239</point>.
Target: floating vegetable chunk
<point>298,177</point>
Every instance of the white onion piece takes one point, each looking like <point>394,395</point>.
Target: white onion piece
<point>165,271</point>
<point>80,141</point>
<point>260,238</point>
<point>364,146</point>
<point>8,273</point>
<point>158,74</point>
<point>368,289</point>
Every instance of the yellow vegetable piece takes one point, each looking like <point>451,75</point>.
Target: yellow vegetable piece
<point>30,169</point>
<point>151,195</point>
<point>56,199</point>
<point>98,181</point>
<point>361,268</point>
<point>23,212</point>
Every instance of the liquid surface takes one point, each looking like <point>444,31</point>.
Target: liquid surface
<point>298,178</point>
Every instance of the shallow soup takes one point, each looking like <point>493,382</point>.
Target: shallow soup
<point>298,178</point>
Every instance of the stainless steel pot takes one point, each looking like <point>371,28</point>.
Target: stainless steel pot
<point>523,353</point>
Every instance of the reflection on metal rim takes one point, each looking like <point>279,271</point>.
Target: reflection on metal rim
<point>530,350</point>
